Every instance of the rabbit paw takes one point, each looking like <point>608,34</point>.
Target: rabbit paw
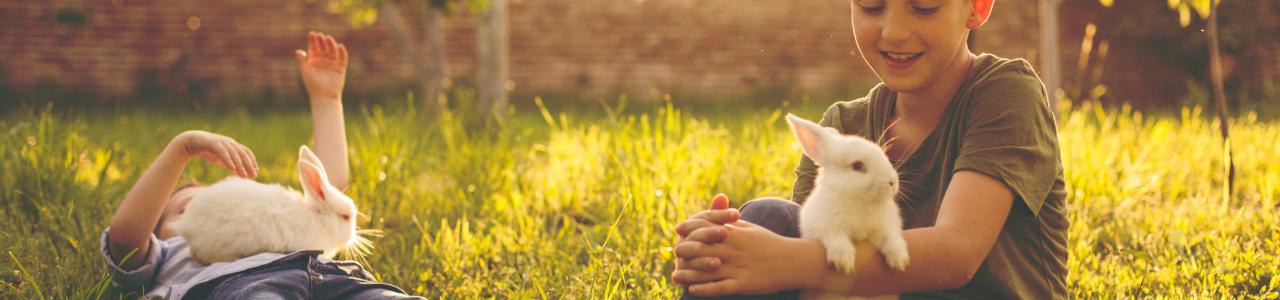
<point>895,255</point>
<point>897,259</point>
<point>841,254</point>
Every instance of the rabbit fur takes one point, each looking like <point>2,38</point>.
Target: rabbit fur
<point>852,199</point>
<point>237,217</point>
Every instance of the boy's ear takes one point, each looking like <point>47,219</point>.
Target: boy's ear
<point>981,12</point>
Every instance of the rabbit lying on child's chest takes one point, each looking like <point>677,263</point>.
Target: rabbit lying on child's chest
<point>237,217</point>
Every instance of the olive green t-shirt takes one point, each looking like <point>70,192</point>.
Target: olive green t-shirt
<point>999,124</point>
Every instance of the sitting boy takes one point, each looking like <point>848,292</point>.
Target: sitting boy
<point>975,143</point>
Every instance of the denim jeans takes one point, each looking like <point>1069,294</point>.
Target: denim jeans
<point>299,276</point>
<point>777,215</point>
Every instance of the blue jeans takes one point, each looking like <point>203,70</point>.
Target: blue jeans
<point>299,276</point>
<point>777,215</point>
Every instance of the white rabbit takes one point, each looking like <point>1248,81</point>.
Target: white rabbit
<point>237,217</point>
<point>852,199</point>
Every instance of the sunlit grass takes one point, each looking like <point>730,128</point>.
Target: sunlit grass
<point>583,205</point>
<point>1147,212</point>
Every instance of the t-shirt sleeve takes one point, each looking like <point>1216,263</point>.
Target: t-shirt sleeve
<point>806,170</point>
<point>1011,136</point>
<point>140,277</point>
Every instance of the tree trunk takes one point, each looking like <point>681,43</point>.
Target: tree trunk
<point>431,75</point>
<point>1220,100</point>
<point>433,32</point>
<point>1050,60</point>
<point>491,48</point>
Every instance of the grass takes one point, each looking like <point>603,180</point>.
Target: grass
<point>583,204</point>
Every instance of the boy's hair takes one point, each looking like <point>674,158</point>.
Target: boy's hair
<point>185,184</point>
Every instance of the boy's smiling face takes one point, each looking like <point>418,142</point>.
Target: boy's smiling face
<point>910,44</point>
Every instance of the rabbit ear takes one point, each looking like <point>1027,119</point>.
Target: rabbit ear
<point>312,177</point>
<point>811,136</point>
<point>304,153</point>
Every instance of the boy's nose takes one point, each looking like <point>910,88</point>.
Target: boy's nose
<point>895,27</point>
<point>894,32</point>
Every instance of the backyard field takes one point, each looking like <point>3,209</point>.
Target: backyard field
<point>563,201</point>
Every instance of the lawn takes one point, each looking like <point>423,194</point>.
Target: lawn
<point>563,201</point>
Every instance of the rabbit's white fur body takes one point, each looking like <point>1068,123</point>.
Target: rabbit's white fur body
<point>852,200</point>
<point>237,217</point>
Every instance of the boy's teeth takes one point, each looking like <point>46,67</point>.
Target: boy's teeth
<point>895,56</point>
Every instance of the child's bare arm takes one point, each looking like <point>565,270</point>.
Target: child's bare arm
<point>135,220</point>
<point>324,67</point>
<point>944,256</point>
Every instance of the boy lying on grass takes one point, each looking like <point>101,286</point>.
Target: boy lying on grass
<point>144,252</point>
<point>981,192</point>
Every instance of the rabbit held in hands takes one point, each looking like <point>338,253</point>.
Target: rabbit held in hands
<point>237,217</point>
<point>852,199</point>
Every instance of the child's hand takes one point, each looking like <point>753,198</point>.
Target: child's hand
<point>323,67</point>
<point>754,261</point>
<point>705,227</point>
<point>220,150</point>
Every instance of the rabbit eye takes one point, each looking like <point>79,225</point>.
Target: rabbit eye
<point>346,217</point>
<point>857,166</point>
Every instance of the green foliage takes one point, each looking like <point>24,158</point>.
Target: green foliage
<point>583,205</point>
<point>1183,7</point>
<point>359,13</point>
<point>362,13</point>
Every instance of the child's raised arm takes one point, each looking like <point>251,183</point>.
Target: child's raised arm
<point>324,67</point>
<point>136,219</point>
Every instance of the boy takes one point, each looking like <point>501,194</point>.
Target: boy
<point>975,143</point>
<point>142,251</point>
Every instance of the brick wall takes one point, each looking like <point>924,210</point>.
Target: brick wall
<point>121,49</point>
<point>1012,31</point>
<point>125,49</point>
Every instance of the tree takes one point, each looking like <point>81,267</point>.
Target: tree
<point>491,50</point>
<point>1050,60</point>
<point>431,72</point>
<point>1207,10</point>
<point>433,76</point>
<point>1219,95</point>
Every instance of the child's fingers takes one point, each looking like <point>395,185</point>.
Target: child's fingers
<point>709,235</point>
<point>254,159</point>
<point>720,201</point>
<point>720,216</point>
<point>689,277</point>
<point>330,46</point>
<point>342,54</point>
<point>692,249</point>
<point>322,43</point>
<point>224,157</point>
<point>313,43</point>
<point>239,162</point>
<point>705,264</point>
<point>233,158</point>
<point>301,55</point>
<point>716,288</point>
<point>246,157</point>
<point>688,226</point>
